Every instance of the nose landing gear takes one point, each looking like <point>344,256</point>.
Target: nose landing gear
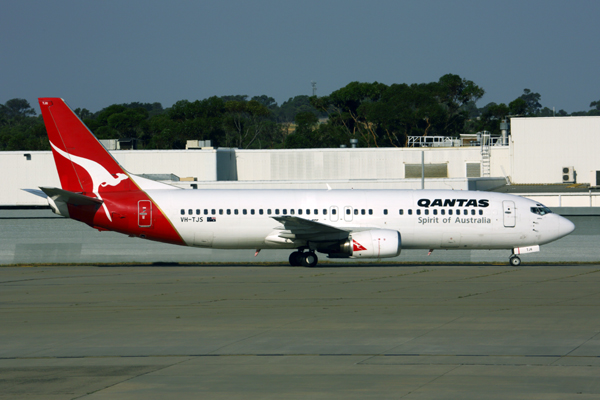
<point>305,259</point>
<point>514,261</point>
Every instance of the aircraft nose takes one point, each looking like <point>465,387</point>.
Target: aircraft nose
<point>565,227</point>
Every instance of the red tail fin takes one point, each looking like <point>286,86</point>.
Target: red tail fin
<point>83,164</point>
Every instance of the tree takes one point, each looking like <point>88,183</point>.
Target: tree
<point>519,107</point>
<point>305,135</point>
<point>288,110</point>
<point>245,122</point>
<point>83,113</point>
<point>343,109</point>
<point>185,120</point>
<point>532,103</point>
<point>17,108</point>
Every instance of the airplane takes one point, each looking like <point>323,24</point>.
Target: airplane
<point>357,224</point>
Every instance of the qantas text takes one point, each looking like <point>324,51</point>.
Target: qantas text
<point>453,203</point>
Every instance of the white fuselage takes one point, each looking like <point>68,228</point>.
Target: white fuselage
<point>428,219</point>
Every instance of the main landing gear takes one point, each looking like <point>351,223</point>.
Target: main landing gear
<point>304,258</point>
<point>514,261</point>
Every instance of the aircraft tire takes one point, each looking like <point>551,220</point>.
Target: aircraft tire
<point>296,259</point>
<point>515,261</point>
<point>309,259</point>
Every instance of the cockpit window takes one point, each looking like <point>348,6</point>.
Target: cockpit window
<point>541,209</point>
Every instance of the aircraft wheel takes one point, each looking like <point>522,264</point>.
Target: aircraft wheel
<point>309,259</point>
<point>296,259</point>
<point>515,261</point>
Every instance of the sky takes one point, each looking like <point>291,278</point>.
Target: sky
<point>97,53</point>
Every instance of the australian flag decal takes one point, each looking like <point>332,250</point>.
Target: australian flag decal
<point>211,219</point>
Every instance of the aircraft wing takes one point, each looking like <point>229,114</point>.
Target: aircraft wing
<point>300,228</point>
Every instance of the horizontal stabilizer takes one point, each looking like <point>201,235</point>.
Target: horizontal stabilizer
<point>76,199</point>
<point>36,192</point>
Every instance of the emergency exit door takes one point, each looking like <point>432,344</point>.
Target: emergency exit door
<point>510,216</point>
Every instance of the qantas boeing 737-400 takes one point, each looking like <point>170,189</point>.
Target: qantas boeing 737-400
<point>358,224</point>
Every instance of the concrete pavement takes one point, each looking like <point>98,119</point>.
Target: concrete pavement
<point>410,332</point>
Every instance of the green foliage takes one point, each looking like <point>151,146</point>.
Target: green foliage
<point>287,112</point>
<point>374,113</point>
<point>381,115</point>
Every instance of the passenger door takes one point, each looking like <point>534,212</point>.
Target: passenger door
<point>510,216</point>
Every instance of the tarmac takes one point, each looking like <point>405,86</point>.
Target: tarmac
<point>38,236</point>
<point>341,331</point>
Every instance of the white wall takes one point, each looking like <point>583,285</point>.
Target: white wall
<point>326,165</point>
<point>542,146</point>
<point>16,172</point>
<point>361,163</point>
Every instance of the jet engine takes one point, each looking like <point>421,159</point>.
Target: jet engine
<point>376,243</point>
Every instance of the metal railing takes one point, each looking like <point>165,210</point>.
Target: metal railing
<point>445,141</point>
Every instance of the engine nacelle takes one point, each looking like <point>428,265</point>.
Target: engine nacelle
<point>376,243</point>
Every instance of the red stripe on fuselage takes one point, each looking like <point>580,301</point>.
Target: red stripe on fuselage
<point>123,210</point>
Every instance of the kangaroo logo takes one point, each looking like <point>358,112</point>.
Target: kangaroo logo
<point>100,176</point>
<point>357,246</point>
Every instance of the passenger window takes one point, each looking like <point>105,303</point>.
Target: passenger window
<point>473,212</point>
<point>449,212</point>
<point>299,211</point>
<point>277,211</point>
<point>213,211</point>
<point>291,211</point>
<point>362,212</point>
<point>410,211</point>
<point>333,211</point>
<point>269,211</point>
<point>426,211</point>
<point>190,211</point>
<point>480,212</point>
<point>465,212</point>
<point>316,211</point>
<point>220,211</point>
<point>284,211</point>
<point>228,211</point>
<point>418,211</point>
<point>434,211</point>
<point>401,212</point>
<point>235,211</point>
<point>355,211</point>
<point>443,212</point>
<point>244,211</point>
<point>252,211</point>
<point>183,211</point>
<point>385,211</point>
<point>347,211</point>
<point>307,211</point>
<point>205,211</point>
<point>260,211</point>
<point>197,211</point>
<point>324,211</point>
<point>370,211</point>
